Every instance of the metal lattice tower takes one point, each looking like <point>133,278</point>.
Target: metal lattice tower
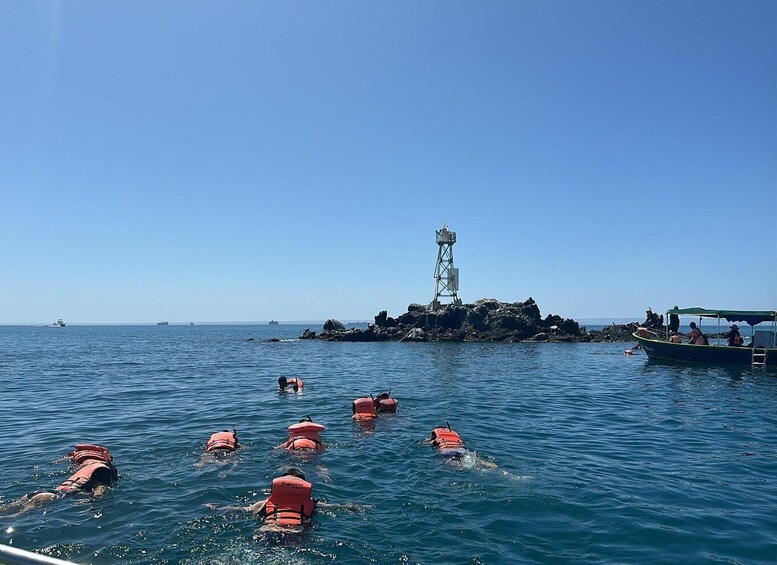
<point>446,275</point>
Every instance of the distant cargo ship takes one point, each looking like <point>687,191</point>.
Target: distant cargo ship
<point>273,323</point>
<point>162,323</point>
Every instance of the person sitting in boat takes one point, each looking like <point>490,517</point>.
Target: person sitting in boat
<point>675,338</point>
<point>735,339</point>
<point>296,384</point>
<point>94,473</point>
<point>697,337</point>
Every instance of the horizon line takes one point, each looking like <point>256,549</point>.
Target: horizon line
<point>584,320</point>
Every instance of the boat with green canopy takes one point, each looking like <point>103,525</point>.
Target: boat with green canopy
<point>760,352</point>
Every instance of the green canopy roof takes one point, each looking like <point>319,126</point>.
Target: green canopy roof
<point>751,317</point>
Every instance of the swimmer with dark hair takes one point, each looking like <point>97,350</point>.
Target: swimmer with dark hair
<point>296,384</point>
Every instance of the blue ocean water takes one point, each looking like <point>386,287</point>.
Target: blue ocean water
<point>601,457</point>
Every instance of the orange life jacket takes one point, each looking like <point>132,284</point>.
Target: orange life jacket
<point>305,436</point>
<point>290,501</point>
<point>88,451</point>
<point>445,438</point>
<point>364,409</point>
<point>294,381</point>
<point>78,480</point>
<point>222,440</point>
<point>384,403</point>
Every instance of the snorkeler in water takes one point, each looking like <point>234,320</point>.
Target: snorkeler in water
<point>447,441</point>
<point>94,473</point>
<point>384,403</point>
<point>290,504</point>
<point>296,384</point>
<point>449,444</point>
<point>305,436</point>
<point>219,445</point>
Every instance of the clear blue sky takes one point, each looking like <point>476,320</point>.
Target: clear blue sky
<point>213,161</point>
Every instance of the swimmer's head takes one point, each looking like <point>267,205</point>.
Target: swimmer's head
<point>282,382</point>
<point>294,472</point>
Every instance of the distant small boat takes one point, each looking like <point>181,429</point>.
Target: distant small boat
<point>59,324</point>
<point>273,323</point>
<point>162,323</point>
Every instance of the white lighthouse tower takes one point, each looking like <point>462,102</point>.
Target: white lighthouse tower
<point>446,276</point>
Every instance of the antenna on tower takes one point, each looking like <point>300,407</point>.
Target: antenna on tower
<point>446,276</point>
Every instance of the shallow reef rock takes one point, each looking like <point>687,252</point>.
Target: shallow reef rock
<point>622,332</point>
<point>614,332</point>
<point>485,320</point>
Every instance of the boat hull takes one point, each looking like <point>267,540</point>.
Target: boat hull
<point>701,354</point>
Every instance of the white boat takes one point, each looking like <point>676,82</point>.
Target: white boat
<point>162,323</point>
<point>59,324</point>
<point>273,323</point>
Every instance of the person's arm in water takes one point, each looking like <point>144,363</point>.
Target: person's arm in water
<point>27,502</point>
<point>256,508</point>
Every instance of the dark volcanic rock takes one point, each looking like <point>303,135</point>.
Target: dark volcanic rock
<point>485,320</point>
<point>614,332</point>
<point>333,325</point>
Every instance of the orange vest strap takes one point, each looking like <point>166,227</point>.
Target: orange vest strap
<point>86,451</point>
<point>364,408</point>
<point>290,501</point>
<point>78,479</point>
<point>222,440</point>
<point>447,439</point>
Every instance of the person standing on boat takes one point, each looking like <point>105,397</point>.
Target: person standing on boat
<point>674,322</point>
<point>697,337</point>
<point>734,337</point>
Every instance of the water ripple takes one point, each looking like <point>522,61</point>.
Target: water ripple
<point>599,457</point>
